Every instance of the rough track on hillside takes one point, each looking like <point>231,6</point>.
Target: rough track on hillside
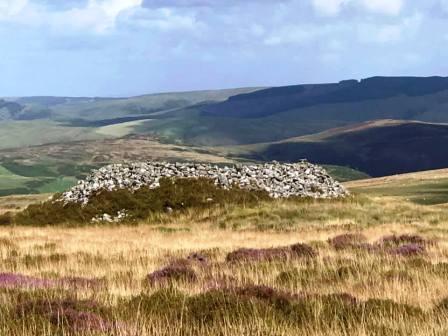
<point>301,179</point>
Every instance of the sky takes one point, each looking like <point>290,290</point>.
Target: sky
<point>131,47</point>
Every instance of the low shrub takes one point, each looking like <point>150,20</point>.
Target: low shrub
<point>347,272</point>
<point>172,273</point>
<point>405,239</point>
<point>385,308</point>
<point>339,309</point>
<point>6,219</point>
<point>272,254</point>
<point>303,277</point>
<point>440,269</point>
<point>420,263</point>
<point>217,305</point>
<point>442,306</point>
<point>79,316</point>
<point>13,280</point>
<point>267,294</point>
<point>407,250</point>
<point>166,303</point>
<point>198,258</point>
<point>347,240</point>
<point>249,254</point>
<point>173,194</point>
<point>303,251</point>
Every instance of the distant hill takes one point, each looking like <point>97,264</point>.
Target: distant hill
<point>9,110</point>
<point>379,125</point>
<point>100,108</point>
<point>279,113</point>
<point>26,121</point>
<point>276,100</point>
<point>377,148</point>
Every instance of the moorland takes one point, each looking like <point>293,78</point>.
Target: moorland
<point>372,264</point>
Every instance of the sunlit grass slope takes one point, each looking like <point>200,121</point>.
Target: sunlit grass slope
<point>371,264</point>
<point>429,187</point>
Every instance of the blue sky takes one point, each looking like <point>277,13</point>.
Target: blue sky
<point>129,47</point>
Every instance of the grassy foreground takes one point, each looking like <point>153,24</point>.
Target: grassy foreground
<point>138,280</point>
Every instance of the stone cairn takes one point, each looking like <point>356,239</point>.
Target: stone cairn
<point>301,179</point>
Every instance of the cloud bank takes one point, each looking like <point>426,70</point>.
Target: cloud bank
<point>120,47</point>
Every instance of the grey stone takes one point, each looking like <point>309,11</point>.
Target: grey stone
<point>301,179</point>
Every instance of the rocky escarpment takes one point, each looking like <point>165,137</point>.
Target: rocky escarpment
<point>301,179</point>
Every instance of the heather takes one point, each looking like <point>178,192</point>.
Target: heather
<point>285,267</point>
<point>172,196</point>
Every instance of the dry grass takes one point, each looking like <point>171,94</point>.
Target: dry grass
<point>293,303</point>
<point>18,203</point>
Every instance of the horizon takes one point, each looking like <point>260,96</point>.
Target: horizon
<point>216,89</point>
<point>124,48</point>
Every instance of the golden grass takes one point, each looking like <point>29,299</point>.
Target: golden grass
<point>124,255</point>
<point>18,203</point>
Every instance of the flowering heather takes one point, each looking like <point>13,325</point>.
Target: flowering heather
<point>347,240</point>
<point>303,250</point>
<point>11,280</point>
<point>397,240</point>
<point>81,283</point>
<point>271,254</point>
<point>173,272</point>
<point>80,321</point>
<point>407,250</point>
<point>78,316</point>
<point>246,254</point>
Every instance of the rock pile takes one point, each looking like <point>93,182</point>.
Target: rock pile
<point>301,179</point>
<point>121,215</point>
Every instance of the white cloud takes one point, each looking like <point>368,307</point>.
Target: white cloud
<point>334,7</point>
<point>100,15</point>
<point>296,34</point>
<point>389,33</point>
<point>408,27</point>
<point>164,19</point>
<point>10,8</point>
<point>388,7</point>
<point>96,16</point>
<point>328,7</point>
<point>112,8</point>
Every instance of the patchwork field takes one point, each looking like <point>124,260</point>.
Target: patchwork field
<point>369,265</point>
<point>56,167</point>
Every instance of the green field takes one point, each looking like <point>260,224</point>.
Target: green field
<point>19,179</point>
<point>16,134</point>
<point>344,174</point>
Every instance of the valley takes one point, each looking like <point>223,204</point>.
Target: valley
<point>377,126</point>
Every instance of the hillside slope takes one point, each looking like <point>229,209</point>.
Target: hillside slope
<point>344,124</point>
<point>99,108</point>
<point>428,187</point>
<point>280,99</point>
<point>378,148</point>
<point>283,112</point>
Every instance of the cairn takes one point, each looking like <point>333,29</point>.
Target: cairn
<point>280,180</point>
